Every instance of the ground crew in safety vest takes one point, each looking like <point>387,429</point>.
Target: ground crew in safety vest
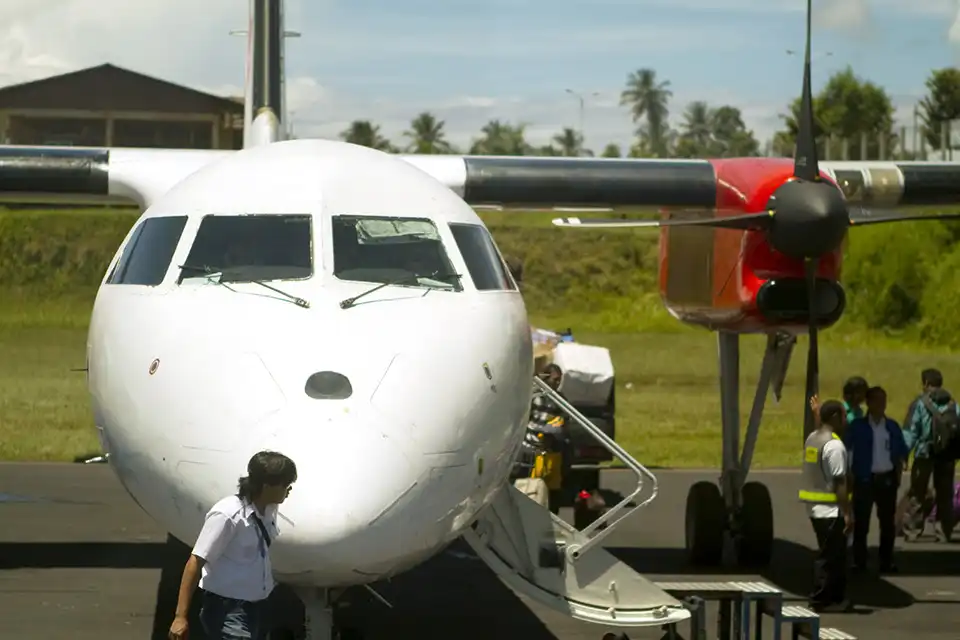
<point>825,489</point>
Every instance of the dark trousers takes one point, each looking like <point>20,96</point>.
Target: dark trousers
<point>230,619</point>
<point>830,567</point>
<point>943,472</point>
<point>880,490</point>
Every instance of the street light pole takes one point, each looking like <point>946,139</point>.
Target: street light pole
<point>580,98</point>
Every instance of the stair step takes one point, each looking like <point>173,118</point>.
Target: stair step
<point>791,613</point>
<point>719,588</point>
<point>829,633</point>
<point>768,598</point>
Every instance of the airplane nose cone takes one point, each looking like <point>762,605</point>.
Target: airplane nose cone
<point>350,478</point>
<point>810,218</point>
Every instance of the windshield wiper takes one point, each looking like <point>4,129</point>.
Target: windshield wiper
<point>436,275</point>
<point>300,302</point>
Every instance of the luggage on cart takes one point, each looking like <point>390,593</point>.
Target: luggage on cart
<point>536,489</point>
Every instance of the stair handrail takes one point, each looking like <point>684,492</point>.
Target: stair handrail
<point>593,531</point>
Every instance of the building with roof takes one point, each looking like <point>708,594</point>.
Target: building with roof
<point>110,106</point>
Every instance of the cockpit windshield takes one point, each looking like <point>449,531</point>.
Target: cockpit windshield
<point>245,248</point>
<point>405,251</point>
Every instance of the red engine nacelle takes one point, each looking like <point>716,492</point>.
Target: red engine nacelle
<point>734,280</point>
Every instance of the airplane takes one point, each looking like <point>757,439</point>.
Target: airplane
<point>299,295</point>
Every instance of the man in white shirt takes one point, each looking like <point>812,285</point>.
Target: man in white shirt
<point>826,492</point>
<point>231,560</point>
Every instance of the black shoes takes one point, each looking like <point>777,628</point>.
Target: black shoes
<point>832,607</point>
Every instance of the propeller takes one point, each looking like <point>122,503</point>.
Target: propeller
<point>805,218</point>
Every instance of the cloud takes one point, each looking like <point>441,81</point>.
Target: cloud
<point>843,14</point>
<point>361,64</point>
<point>168,39</point>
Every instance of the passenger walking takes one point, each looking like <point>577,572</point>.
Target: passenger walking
<point>878,453</point>
<point>231,560</point>
<point>854,394</point>
<point>825,490</point>
<point>932,436</point>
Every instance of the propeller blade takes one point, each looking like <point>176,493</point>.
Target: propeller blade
<point>805,164</point>
<point>866,216</point>
<point>745,221</point>
<point>813,351</point>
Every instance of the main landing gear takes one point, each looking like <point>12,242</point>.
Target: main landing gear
<point>736,511</point>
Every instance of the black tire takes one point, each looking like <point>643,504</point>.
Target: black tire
<point>706,523</point>
<point>755,536</point>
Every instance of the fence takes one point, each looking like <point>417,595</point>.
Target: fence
<point>908,143</point>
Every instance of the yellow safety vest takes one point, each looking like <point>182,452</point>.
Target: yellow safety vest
<point>816,487</point>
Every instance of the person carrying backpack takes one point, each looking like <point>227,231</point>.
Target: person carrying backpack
<point>933,435</point>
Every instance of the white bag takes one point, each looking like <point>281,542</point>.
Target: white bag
<point>535,489</point>
<point>587,373</point>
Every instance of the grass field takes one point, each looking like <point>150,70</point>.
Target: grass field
<point>598,283</point>
<point>668,404</point>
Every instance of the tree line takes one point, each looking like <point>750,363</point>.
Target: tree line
<point>854,120</point>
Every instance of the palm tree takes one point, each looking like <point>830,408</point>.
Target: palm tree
<point>501,139</point>
<point>427,135</point>
<point>611,151</point>
<point>570,142</point>
<point>696,125</point>
<point>367,134</point>
<point>648,98</point>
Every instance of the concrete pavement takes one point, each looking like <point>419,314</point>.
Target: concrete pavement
<point>79,560</point>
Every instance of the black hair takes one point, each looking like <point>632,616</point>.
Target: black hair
<point>552,368</point>
<point>830,410</point>
<point>266,468</point>
<point>874,391</point>
<point>854,385</point>
<point>931,378</point>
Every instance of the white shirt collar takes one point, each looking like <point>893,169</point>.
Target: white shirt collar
<point>882,422</point>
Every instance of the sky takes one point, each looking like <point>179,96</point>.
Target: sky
<point>469,61</point>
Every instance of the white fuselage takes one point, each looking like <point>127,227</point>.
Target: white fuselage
<point>190,379</point>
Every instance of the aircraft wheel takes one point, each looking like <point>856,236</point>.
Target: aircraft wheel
<point>706,523</point>
<point>755,536</point>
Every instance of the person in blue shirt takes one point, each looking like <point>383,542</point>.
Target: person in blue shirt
<point>918,433</point>
<point>854,394</point>
<point>878,451</point>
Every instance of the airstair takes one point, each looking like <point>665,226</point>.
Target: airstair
<point>541,556</point>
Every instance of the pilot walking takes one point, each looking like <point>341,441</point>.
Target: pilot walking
<point>231,559</point>
<point>826,493</point>
<point>878,452</point>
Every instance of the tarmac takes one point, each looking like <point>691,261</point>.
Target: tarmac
<point>79,561</point>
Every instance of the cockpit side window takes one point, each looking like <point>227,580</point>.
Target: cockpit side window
<point>252,247</point>
<point>146,258</point>
<point>402,251</point>
<point>487,269</point>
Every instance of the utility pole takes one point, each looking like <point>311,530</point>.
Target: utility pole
<point>579,97</point>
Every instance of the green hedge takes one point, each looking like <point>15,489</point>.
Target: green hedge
<point>900,278</point>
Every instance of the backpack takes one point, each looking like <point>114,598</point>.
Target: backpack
<point>946,427</point>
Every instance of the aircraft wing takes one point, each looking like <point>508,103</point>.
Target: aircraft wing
<point>530,181</point>
<point>140,175</point>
